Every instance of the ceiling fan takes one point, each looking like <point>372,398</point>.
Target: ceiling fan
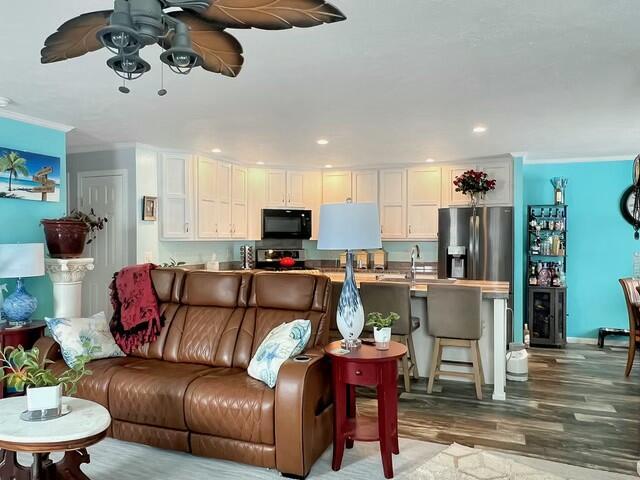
<point>191,32</point>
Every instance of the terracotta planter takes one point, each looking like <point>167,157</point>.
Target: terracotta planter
<point>65,238</point>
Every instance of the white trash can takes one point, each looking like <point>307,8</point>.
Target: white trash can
<point>517,363</point>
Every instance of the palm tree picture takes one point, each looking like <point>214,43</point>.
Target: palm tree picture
<point>13,163</point>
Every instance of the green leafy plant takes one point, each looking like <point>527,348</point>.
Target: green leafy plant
<point>91,220</point>
<point>13,163</point>
<point>376,320</point>
<point>172,263</point>
<point>21,369</point>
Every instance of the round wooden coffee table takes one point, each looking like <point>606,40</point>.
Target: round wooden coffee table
<point>86,424</point>
<point>366,366</point>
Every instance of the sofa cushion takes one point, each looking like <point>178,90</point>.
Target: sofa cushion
<point>95,387</point>
<point>151,392</point>
<point>232,405</point>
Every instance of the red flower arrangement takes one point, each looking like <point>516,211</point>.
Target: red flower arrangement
<point>472,182</point>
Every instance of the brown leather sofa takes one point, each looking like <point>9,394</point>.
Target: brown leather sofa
<point>190,391</point>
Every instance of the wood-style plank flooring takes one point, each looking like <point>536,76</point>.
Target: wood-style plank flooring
<point>577,408</point>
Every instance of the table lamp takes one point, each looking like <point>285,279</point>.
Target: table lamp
<point>349,226</point>
<point>20,260</point>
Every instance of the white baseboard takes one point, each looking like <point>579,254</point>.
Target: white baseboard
<point>594,341</point>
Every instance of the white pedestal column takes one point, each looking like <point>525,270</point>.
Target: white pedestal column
<point>66,276</point>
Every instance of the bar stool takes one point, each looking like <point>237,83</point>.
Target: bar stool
<point>394,297</point>
<point>454,319</point>
<point>334,333</point>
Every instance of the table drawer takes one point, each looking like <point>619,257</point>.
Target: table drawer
<point>360,374</point>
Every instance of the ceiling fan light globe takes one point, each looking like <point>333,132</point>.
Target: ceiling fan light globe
<point>129,67</point>
<point>120,39</point>
<point>181,60</point>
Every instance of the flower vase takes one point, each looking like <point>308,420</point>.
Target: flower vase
<point>474,199</point>
<point>382,337</point>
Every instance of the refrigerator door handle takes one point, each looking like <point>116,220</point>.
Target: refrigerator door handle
<point>476,236</point>
<point>471,274</point>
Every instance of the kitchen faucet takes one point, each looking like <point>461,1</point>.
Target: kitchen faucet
<point>415,254</point>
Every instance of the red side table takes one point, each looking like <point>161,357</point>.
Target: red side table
<point>25,336</point>
<point>366,366</point>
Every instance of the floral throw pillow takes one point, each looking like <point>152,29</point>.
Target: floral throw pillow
<point>88,337</point>
<point>283,342</point>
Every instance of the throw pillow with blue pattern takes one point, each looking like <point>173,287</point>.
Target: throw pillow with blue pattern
<point>83,336</point>
<point>283,342</point>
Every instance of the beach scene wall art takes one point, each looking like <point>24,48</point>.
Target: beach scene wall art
<point>29,176</point>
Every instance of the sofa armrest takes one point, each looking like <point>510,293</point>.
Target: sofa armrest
<point>303,413</point>
<point>49,349</point>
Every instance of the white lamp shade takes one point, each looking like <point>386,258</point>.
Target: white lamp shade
<point>19,260</point>
<point>349,226</point>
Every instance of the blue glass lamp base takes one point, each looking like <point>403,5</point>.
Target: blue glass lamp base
<point>18,307</point>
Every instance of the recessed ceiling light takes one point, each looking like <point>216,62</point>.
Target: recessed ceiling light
<point>4,102</point>
<point>259,163</point>
<point>216,150</point>
<point>479,129</point>
<point>322,141</point>
<point>328,166</point>
<point>429,160</point>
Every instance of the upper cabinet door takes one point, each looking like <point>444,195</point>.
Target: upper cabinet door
<point>276,181</point>
<point>457,198</point>
<point>365,186</point>
<point>312,194</point>
<point>224,200</point>
<point>393,201</point>
<point>207,200</point>
<point>423,200</point>
<point>177,196</point>
<point>501,171</point>
<point>239,228</point>
<point>295,189</point>
<point>336,187</point>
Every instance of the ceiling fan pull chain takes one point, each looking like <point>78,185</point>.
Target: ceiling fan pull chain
<point>162,92</point>
<point>123,88</point>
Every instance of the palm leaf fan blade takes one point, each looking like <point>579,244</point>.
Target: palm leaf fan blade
<point>272,14</point>
<point>75,37</point>
<point>221,52</point>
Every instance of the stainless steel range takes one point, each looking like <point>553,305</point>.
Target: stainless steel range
<point>272,259</point>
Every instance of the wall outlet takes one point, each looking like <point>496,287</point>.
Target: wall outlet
<point>148,257</point>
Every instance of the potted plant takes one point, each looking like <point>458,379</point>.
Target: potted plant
<point>66,236</point>
<point>382,328</point>
<point>21,369</point>
<point>474,184</point>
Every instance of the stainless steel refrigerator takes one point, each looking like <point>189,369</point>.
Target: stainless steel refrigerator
<point>477,245</point>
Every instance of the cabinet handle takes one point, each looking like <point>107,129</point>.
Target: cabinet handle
<point>186,227</point>
<point>409,228</point>
<point>358,372</point>
<point>381,229</point>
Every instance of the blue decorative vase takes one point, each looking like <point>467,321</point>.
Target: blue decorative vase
<point>350,313</point>
<point>19,306</point>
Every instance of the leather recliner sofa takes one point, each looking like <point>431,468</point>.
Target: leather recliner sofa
<point>190,391</point>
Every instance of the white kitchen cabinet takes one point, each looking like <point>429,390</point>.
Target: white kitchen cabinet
<point>364,186</point>
<point>276,188</point>
<point>239,222</point>
<point>176,197</point>
<point>393,203</point>
<point>295,189</point>
<point>312,197</point>
<point>499,168</point>
<point>207,198</point>
<point>256,200</point>
<point>336,186</point>
<point>223,182</point>
<point>502,172</point>
<point>423,200</point>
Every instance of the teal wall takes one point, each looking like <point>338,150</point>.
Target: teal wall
<point>519,228</point>
<point>600,242</point>
<point>19,219</point>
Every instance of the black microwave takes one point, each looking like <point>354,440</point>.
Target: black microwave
<point>281,223</point>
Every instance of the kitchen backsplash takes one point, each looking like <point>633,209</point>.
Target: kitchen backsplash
<point>397,251</point>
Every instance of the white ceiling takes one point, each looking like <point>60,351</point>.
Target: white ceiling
<point>398,81</point>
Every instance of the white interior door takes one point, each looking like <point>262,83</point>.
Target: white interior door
<point>105,193</point>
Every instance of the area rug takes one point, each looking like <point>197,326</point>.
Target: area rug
<point>112,459</point>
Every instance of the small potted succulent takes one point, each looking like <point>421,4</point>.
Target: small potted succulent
<point>475,185</point>
<point>66,236</point>
<point>21,369</point>
<point>382,328</point>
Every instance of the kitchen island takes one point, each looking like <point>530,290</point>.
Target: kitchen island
<point>493,342</point>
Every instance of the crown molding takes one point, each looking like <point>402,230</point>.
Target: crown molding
<point>610,158</point>
<point>21,117</point>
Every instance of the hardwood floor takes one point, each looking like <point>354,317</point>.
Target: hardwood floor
<point>576,408</point>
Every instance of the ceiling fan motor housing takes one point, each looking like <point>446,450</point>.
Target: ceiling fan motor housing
<point>147,17</point>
